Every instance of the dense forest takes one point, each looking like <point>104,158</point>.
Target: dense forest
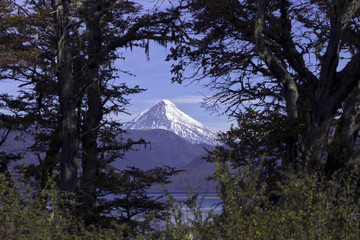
<point>287,71</point>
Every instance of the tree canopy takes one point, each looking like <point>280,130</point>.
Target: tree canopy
<point>288,68</point>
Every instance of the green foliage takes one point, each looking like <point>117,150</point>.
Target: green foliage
<point>24,215</point>
<point>51,214</point>
<point>186,220</point>
<point>298,207</point>
<point>259,134</point>
<point>129,201</point>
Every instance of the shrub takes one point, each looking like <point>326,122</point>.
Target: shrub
<point>26,215</point>
<point>298,206</point>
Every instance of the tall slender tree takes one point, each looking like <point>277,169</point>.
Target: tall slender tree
<point>69,134</point>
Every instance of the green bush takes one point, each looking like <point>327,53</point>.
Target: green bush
<point>26,215</point>
<point>298,206</point>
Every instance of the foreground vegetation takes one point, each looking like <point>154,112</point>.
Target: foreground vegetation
<point>297,207</point>
<point>301,207</point>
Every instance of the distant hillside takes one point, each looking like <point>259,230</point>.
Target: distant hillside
<point>166,148</point>
<point>193,177</point>
<point>17,143</point>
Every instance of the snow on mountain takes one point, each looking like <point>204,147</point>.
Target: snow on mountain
<point>165,115</point>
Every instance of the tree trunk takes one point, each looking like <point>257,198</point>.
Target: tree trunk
<point>50,160</point>
<point>331,90</point>
<point>316,140</point>
<point>90,162</point>
<point>68,130</point>
<point>342,147</point>
<point>285,81</point>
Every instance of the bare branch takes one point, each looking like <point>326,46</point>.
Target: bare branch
<point>273,64</point>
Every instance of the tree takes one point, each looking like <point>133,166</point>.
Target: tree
<point>14,52</point>
<point>288,61</point>
<point>72,88</point>
<point>131,199</point>
<point>67,99</point>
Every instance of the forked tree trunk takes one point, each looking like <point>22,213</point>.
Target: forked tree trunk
<point>326,95</point>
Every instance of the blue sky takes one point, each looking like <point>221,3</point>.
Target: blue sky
<point>154,75</point>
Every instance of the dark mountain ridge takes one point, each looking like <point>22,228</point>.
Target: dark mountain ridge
<point>165,148</point>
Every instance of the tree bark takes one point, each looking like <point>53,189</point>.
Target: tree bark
<point>330,91</point>
<point>51,158</point>
<point>323,96</point>
<point>284,78</point>
<point>90,162</point>
<point>68,126</point>
<point>342,147</point>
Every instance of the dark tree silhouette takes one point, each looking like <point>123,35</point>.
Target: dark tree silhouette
<point>290,61</point>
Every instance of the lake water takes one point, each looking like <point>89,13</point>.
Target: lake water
<point>208,202</point>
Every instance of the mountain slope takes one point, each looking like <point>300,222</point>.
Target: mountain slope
<point>169,149</point>
<point>165,115</point>
<point>194,175</point>
<point>166,148</point>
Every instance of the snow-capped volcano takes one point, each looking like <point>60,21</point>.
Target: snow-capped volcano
<point>165,115</point>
